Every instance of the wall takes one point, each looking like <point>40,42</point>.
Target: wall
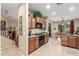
<point>23,39</point>
<point>0,35</point>
<point>55,27</point>
<point>76,24</point>
<point>10,22</point>
<point>0,11</point>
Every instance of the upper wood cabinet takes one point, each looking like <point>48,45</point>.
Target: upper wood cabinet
<point>39,20</point>
<point>31,45</point>
<point>33,23</point>
<point>29,22</point>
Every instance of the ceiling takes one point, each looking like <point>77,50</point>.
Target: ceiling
<point>60,11</point>
<point>10,10</point>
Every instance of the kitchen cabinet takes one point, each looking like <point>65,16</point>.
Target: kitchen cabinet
<point>29,22</point>
<point>33,23</point>
<point>17,41</point>
<point>64,40</point>
<point>46,38</point>
<point>33,44</point>
<point>72,41</point>
<point>44,22</point>
<point>39,20</point>
<point>78,43</point>
<point>36,42</point>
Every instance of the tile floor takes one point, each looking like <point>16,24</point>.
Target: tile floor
<point>54,48</point>
<point>11,51</point>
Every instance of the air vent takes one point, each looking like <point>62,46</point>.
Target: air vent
<point>59,3</point>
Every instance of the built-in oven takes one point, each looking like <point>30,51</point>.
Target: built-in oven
<point>41,40</point>
<point>39,25</point>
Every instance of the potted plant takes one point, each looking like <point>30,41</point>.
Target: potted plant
<point>37,14</point>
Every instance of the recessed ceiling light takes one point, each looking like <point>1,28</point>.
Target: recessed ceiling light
<point>53,13</point>
<point>48,6</point>
<point>72,8</point>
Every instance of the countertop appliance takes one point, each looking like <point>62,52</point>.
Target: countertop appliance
<point>39,25</point>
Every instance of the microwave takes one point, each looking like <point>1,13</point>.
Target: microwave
<point>39,25</point>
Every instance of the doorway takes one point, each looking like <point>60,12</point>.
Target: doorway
<point>49,29</point>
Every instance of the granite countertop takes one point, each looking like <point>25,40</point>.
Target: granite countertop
<point>37,35</point>
<point>72,35</point>
<point>32,36</point>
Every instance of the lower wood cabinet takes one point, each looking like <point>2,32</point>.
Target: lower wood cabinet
<point>17,41</point>
<point>33,44</point>
<point>78,43</point>
<point>72,41</point>
<point>46,38</point>
<point>36,42</point>
<point>64,40</point>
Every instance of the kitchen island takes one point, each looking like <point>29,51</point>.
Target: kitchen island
<point>70,40</point>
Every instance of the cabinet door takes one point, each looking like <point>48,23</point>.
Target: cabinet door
<point>33,23</point>
<point>78,42</point>
<point>36,42</point>
<point>72,41</point>
<point>17,41</point>
<point>39,20</point>
<point>29,23</point>
<point>64,40</point>
<point>31,45</point>
<point>46,38</point>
